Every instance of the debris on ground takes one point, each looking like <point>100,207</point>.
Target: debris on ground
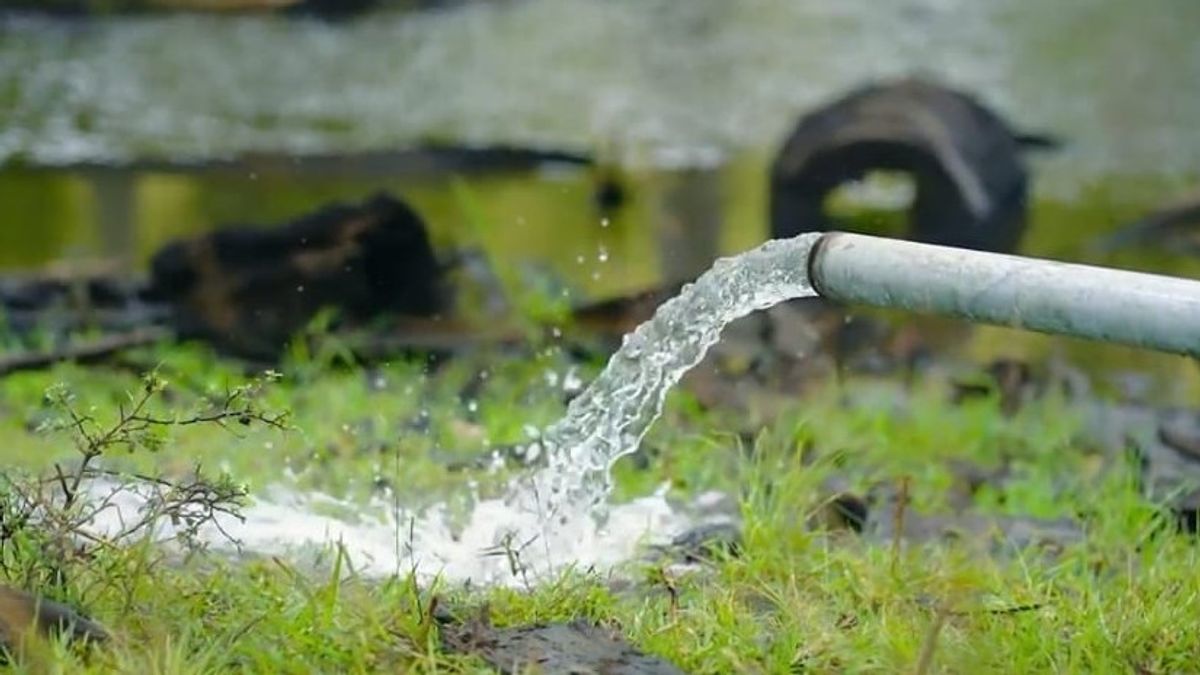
<point>577,647</point>
<point>706,541</point>
<point>884,515</point>
<point>22,612</point>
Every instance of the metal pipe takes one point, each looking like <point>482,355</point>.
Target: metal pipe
<point>1132,308</point>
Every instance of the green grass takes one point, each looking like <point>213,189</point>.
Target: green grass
<point>795,600</point>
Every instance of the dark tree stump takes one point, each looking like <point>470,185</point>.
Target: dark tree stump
<point>965,162</point>
<point>248,289</point>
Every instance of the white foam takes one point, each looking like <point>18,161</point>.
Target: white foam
<point>383,540</point>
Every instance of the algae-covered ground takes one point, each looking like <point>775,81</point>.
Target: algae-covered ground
<point>1114,590</point>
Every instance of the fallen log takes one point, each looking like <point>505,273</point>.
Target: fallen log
<point>249,289</point>
<point>1175,226</point>
<point>965,161</point>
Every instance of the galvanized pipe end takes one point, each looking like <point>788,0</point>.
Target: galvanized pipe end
<point>1132,308</point>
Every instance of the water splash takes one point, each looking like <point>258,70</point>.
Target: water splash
<point>557,516</point>
<point>609,419</point>
<point>380,540</point>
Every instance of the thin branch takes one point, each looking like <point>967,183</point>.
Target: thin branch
<point>242,417</point>
<point>59,534</point>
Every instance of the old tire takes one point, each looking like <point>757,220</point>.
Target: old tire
<point>965,161</point>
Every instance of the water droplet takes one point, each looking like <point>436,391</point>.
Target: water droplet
<point>572,381</point>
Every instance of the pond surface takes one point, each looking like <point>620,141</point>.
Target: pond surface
<point>689,98</point>
<point>657,80</point>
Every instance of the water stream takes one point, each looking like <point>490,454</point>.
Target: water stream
<point>610,418</point>
<point>559,515</point>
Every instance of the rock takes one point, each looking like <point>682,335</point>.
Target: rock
<point>878,517</point>
<point>965,161</point>
<point>840,511</point>
<point>250,289</point>
<point>994,534</point>
<point>578,647</point>
<point>1166,445</point>
<point>1012,381</point>
<point>1017,384</point>
<point>1171,465</point>
<point>970,478</point>
<point>703,541</point>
